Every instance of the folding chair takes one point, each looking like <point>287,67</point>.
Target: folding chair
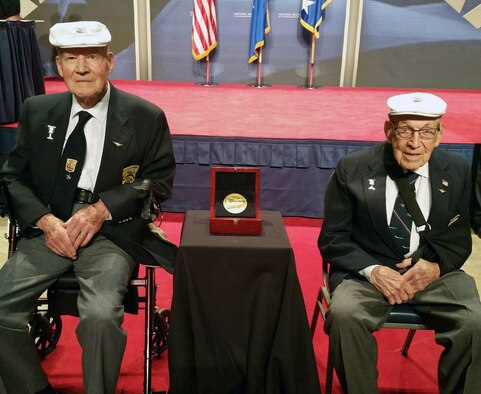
<point>46,324</point>
<point>401,316</point>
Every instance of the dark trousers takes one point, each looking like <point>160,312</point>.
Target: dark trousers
<point>450,305</point>
<point>103,271</point>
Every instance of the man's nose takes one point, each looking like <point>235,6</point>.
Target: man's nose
<point>415,139</point>
<point>82,66</point>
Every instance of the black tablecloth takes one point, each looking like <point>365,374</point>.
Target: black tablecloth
<point>238,321</point>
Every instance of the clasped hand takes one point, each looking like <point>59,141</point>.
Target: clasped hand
<point>65,238</point>
<point>399,288</point>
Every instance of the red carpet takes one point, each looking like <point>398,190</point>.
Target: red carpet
<point>415,374</point>
<point>329,113</point>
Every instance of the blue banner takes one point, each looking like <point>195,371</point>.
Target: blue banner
<point>260,26</point>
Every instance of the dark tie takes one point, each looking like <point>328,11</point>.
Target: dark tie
<point>71,164</point>
<point>401,221</point>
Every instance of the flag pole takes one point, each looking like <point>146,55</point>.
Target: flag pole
<point>259,83</point>
<point>259,69</point>
<point>312,60</point>
<point>207,73</point>
<point>207,70</point>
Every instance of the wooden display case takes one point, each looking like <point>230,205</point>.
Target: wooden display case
<point>234,201</point>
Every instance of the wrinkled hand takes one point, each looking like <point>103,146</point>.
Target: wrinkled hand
<point>57,238</point>
<point>85,223</point>
<point>422,274</point>
<point>392,285</point>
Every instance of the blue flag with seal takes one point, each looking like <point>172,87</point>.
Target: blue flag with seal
<point>312,14</point>
<point>260,26</point>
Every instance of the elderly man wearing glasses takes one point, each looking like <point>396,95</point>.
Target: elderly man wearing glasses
<point>379,256</point>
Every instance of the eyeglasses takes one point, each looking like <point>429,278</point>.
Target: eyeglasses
<point>406,132</point>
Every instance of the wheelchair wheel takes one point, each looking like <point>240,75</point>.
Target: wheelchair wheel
<point>161,332</point>
<point>45,330</point>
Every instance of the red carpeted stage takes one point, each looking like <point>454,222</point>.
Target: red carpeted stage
<point>295,135</point>
<point>286,112</point>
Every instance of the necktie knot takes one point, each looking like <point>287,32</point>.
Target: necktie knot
<point>83,118</point>
<point>411,178</point>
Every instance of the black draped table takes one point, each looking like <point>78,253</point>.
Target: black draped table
<point>238,321</point>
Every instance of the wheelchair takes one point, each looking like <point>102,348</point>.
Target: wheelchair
<point>45,323</point>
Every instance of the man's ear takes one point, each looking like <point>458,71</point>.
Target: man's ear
<point>439,134</point>
<point>389,130</point>
<point>111,61</point>
<point>58,62</point>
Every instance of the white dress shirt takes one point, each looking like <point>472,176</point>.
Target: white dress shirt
<point>94,131</point>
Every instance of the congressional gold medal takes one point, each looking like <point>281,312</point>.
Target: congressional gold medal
<point>235,203</point>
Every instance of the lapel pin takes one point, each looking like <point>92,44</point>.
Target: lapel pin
<point>372,182</point>
<point>454,219</point>
<point>442,190</point>
<point>51,130</point>
<point>118,144</point>
<point>445,183</point>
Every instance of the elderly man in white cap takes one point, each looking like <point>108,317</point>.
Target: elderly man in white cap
<point>379,256</point>
<point>70,178</point>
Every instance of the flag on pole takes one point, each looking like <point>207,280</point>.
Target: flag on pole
<point>204,28</point>
<point>312,14</point>
<point>260,26</point>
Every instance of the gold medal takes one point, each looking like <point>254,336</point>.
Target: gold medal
<point>235,203</point>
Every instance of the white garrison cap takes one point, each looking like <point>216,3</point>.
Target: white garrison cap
<point>421,104</point>
<point>79,34</point>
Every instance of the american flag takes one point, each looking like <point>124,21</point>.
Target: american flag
<point>204,28</point>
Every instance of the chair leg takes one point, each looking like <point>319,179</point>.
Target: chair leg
<point>407,342</point>
<point>329,375</point>
<point>149,318</point>
<point>315,316</point>
<point>149,285</point>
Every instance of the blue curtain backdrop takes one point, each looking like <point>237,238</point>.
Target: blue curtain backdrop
<point>21,70</point>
